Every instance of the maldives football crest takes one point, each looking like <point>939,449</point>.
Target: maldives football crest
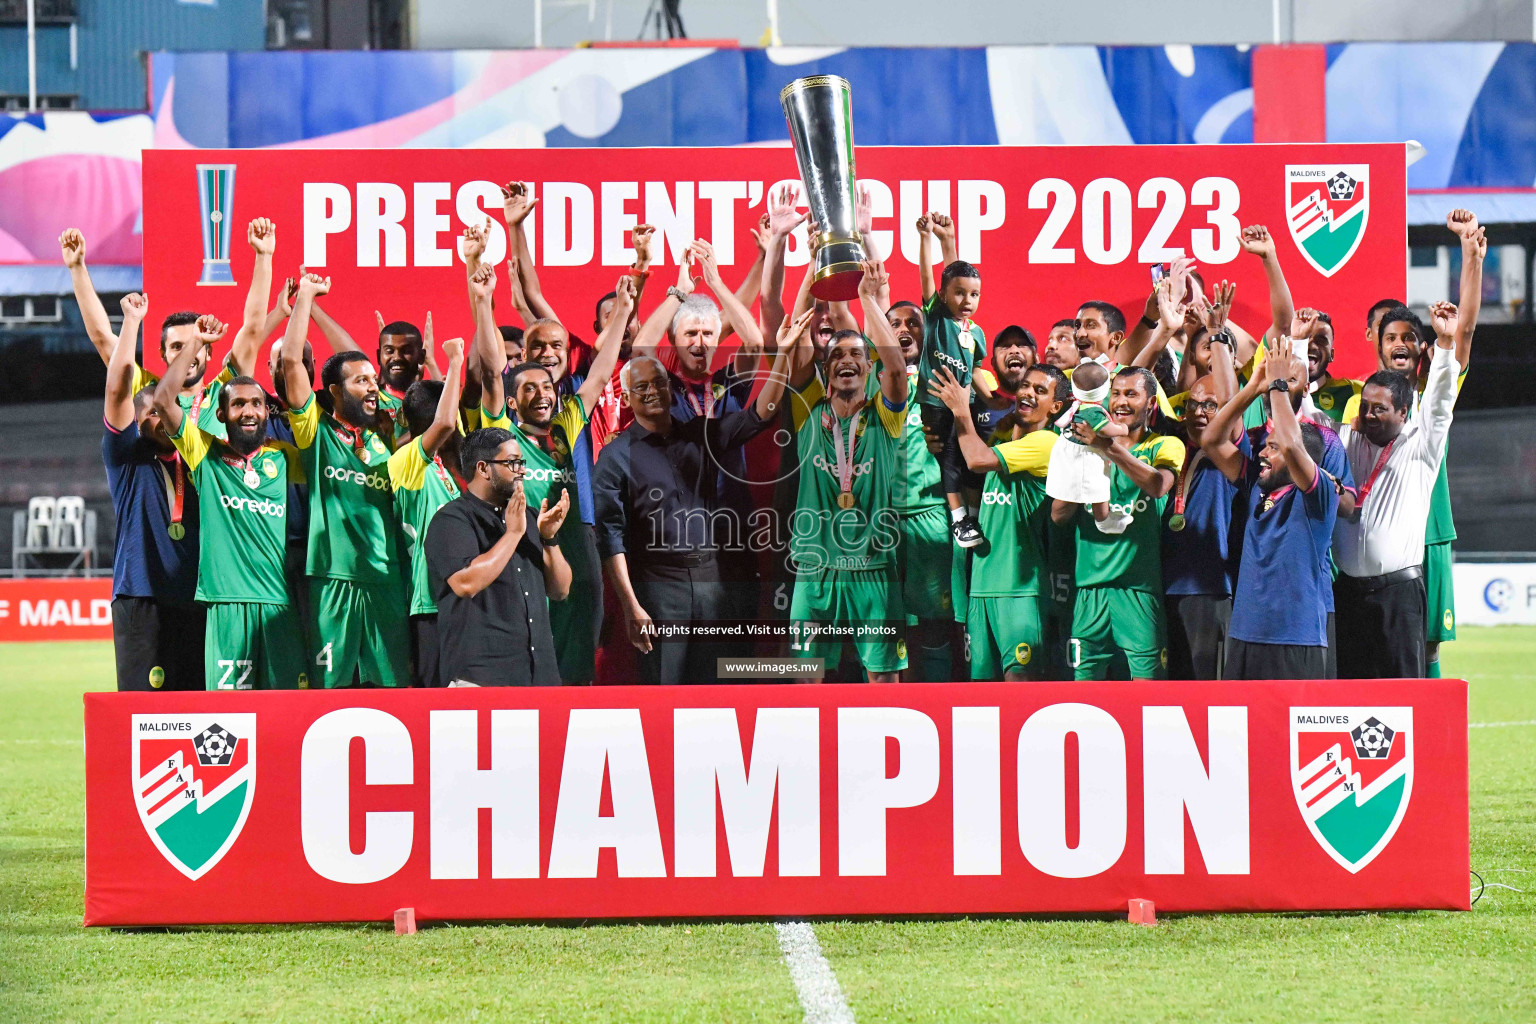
<point>1352,772</point>
<point>1327,206</point>
<point>193,780</point>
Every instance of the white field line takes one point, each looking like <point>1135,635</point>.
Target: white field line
<point>820,995</point>
<point>1499,725</point>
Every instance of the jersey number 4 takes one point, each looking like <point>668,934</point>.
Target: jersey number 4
<point>323,659</point>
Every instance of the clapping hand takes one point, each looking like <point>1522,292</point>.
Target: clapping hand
<point>782,215</point>
<point>551,519</point>
<point>515,516</point>
<point>704,253</point>
<point>1215,312</point>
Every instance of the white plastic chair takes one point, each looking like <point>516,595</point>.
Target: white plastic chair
<point>69,524</point>
<point>40,518</point>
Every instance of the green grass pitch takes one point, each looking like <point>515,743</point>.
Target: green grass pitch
<point>1292,968</point>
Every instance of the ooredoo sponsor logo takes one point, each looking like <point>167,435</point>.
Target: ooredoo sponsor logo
<point>260,506</point>
<point>357,476</point>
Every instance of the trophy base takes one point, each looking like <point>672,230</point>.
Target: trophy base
<point>217,272</point>
<point>838,271</point>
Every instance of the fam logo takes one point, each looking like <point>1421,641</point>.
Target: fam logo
<point>1327,206</point>
<point>193,780</point>
<point>1499,594</point>
<point>1352,773</point>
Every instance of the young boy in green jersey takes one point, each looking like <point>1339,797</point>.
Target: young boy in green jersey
<point>253,638</point>
<point>953,341</point>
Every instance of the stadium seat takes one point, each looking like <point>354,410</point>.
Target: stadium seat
<point>41,512</point>
<point>69,524</point>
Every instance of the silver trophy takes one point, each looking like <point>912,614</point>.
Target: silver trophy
<point>819,110</point>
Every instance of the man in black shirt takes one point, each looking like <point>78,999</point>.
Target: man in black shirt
<point>662,520</point>
<point>495,565</point>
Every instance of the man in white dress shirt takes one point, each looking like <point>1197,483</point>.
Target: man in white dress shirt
<point>1379,592</point>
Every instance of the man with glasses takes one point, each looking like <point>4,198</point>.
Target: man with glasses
<point>494,565</point>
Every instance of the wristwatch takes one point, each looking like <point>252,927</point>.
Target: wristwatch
<point>1221,337</point>
<point>1280,385</point>
<point>552,542</point>
<point>1148,322</point>
<point>677,293</point>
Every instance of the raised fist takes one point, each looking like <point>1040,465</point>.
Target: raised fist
<point>261,233</point>
<point>135,306</point>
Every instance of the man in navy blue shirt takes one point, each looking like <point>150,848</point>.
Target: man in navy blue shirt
<point>157,628</point>
<point>1279,627</point>
<point>1197,576</point>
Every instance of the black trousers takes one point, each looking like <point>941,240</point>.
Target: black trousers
<point>158,647</point>
<point>1380,627</point>
<point>677,595</point>
<point>1274,661</point>
<point>424,652</point>
<point>951,463</point>
<point>1197,632</point>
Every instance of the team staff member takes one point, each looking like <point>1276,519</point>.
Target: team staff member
<point>356,583</point>
<point>1005,634</point>
<point>1440,592</point>
<point>254,640</point>
<point>422,485</point>
<point>1197,572</point>
<point>495,565</point>
<point>1279,626</point>
<point>157,627</point>
<point>1119,608</point>
<point>1380,551</point>
<point>845,532</point>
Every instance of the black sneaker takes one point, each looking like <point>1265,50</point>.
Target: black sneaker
<point>967,531</point>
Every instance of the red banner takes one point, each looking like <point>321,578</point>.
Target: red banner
<point>775,800</point>
<point>56,609</point>
<point>1050,227</point>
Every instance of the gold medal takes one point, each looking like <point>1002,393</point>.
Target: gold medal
<point>176,531</point>
<point>845,499</point>
<point>1176,522</point>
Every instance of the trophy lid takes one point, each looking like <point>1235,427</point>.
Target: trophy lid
<point>814,82</point>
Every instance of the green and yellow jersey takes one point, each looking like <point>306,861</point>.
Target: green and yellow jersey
<point>1015,516</point>
<point>1131,560</point>
<point>918,484</point>
<point>865,534</point>
<point>549,470</point>
<point>243,509</point>
<point>1333,396</point>
<point>351,507</point>
<point>421,486</point>
<point>947,342</point>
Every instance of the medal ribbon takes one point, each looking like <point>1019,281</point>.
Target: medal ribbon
<point>178,488</point>
<point>1271,498</point>
<point>707,409</point>
<point>1370,481</point>
<point>1186,476</point>
<point>353,437</point>
<point>845,459</point>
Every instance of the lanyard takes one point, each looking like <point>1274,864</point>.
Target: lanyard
<point>442,473</point>
<point>845,458</point>
<point>1370,481</point>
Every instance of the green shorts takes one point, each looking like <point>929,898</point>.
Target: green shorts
<point>1110,621</point>
<point>1002,635</point>
<point>1439,594</point>
<point>253,647</point>
<point>832,607</point>
<point>925,564</point>
<point>359,628</point>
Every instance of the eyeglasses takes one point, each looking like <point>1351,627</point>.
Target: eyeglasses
<point>647,388</point>
<point>1202,406</point>
<point>511,463</point>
